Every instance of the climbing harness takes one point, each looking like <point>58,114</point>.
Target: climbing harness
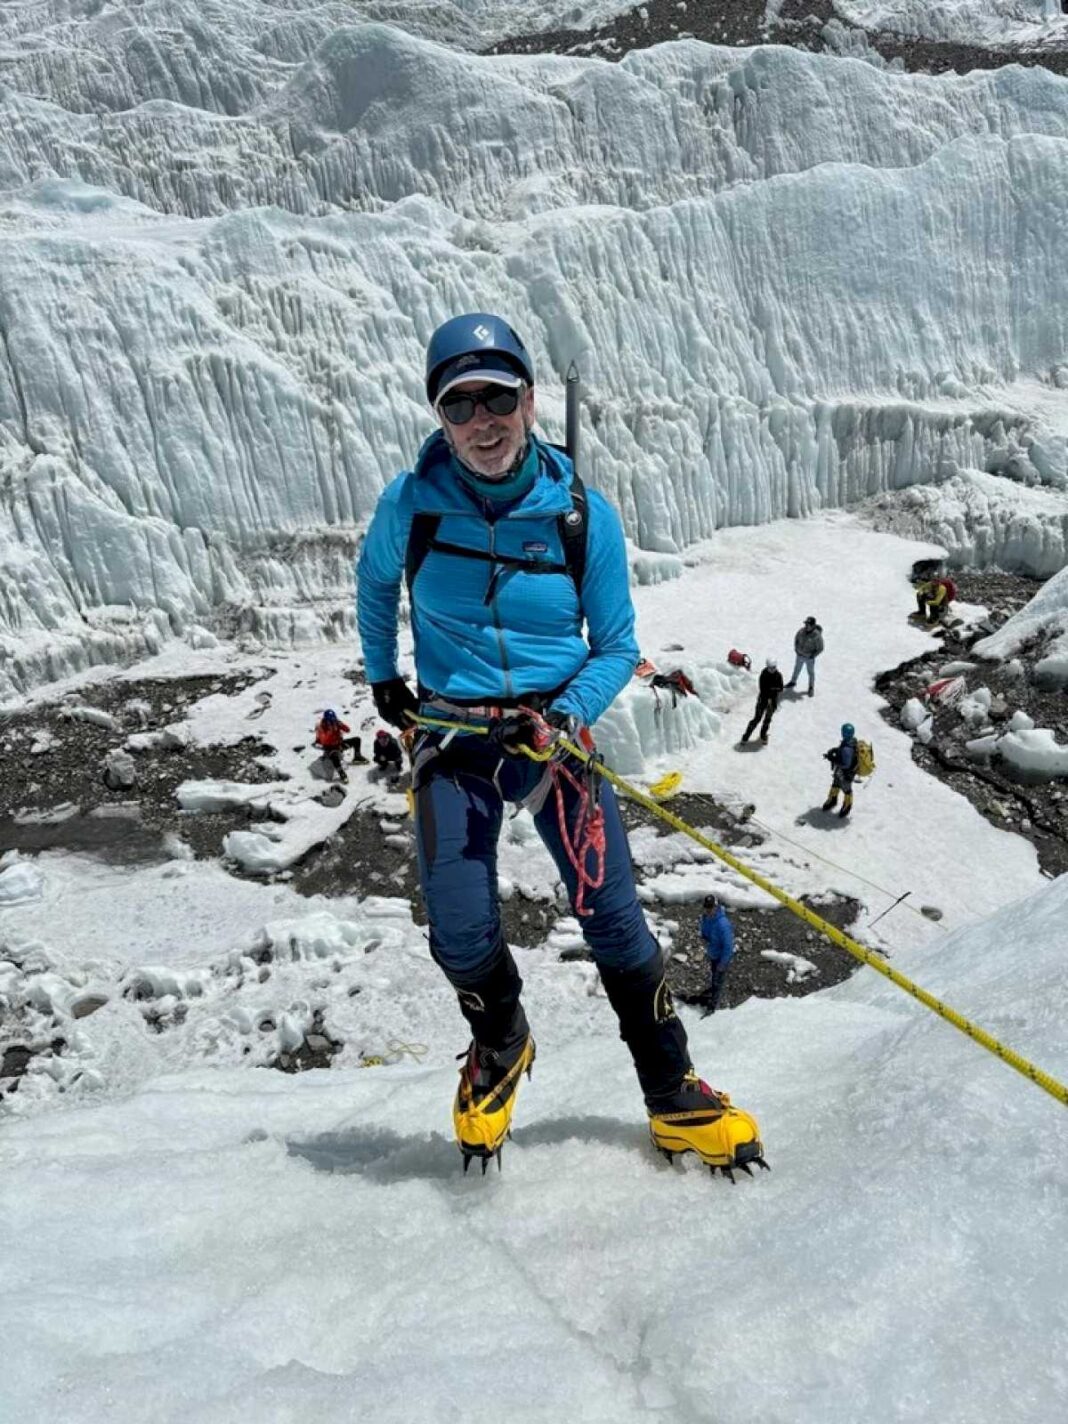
<point>875,961</point>
<point>586,837</point>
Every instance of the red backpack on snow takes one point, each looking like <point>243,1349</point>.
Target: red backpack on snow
<point>737,659</point>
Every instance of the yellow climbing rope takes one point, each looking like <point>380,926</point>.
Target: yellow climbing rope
<point>830,932</point>
<point>394,1051</point>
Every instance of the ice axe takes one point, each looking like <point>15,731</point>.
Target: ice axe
<point>572,408</point>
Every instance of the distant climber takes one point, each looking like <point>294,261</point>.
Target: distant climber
<point>387,753</point>
<point>808,644</point>
<point>770,687</point>
<point>330,738</point>
<point>717,932</point>
<point>934,596</point>
<point>844,762</point>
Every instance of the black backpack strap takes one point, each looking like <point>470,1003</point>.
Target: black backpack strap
<point>420,537</point>
<point>574,527</point>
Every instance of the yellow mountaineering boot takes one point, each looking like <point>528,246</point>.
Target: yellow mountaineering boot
<point>698,1119</point>
<point>485,1099</point>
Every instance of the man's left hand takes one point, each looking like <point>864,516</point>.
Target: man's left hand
<point>519,729</point>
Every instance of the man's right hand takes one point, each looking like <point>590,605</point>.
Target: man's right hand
<point>395,701</point>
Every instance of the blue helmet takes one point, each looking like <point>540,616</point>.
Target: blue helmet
<point>848,731</point>
<point>329,715</point>
<point>479,343</point>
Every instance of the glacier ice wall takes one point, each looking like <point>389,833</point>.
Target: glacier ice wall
<point>793,282</point>
<point>982,520</point>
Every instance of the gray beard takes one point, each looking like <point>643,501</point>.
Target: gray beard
<point>521,455</point>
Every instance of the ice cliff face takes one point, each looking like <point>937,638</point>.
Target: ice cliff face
<point>792,282</point>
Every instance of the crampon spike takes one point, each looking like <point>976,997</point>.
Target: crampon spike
<point>669,1155</point>
<point>485,1164</point>
<point>467,1162</point>
<point>744,1167</point>
<point>728,1173</point>
<point>497,1154</point>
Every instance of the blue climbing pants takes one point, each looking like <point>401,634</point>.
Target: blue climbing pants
<point>460,794</point>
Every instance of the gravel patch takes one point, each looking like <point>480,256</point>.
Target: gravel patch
<point>1038,811</point>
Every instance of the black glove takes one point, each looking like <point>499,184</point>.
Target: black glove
<point>517,730</point>
<point>562,721</point>
<point>394,699</point>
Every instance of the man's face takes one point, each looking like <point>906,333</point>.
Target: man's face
<point>489,444</point>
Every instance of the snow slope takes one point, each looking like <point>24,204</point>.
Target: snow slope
<point>225,1240</point>
<point>792,282</point>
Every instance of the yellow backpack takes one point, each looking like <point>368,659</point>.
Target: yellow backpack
<point>865,759</point>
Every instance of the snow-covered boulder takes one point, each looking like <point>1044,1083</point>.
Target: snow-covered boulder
<point>913,714</point>
<point>120,772</point>
<point>1034,752</point>
<point>20,882</point>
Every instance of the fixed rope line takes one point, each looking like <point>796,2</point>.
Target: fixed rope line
<point>815,855</point>
<point>875,961</point>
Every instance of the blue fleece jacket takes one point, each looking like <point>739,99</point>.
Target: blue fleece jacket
<point>529,636</point>
<point>718,935</point>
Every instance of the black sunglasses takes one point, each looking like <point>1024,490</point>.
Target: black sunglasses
<point>460,407</point>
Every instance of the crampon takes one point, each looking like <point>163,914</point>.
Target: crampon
<point>485,1101</point>
<point>699,1119</point>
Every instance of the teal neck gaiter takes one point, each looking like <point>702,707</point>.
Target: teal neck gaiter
<point>512,487</point>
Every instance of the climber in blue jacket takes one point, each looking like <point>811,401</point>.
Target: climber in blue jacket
<point>717,932</point>
<point>523,627</point>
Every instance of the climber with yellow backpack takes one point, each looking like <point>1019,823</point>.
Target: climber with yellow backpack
<point>850,759</point>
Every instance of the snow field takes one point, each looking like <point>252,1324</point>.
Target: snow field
<point>315,1234</point>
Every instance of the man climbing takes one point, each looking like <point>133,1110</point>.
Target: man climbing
<point>768,690</point>
<point>506,556</point>
<point>844,761</point>
<point>330,737</point>
<point>808,644</point>
<point>717,932</point>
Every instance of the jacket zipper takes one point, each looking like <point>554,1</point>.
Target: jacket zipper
<point>501,646</point>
